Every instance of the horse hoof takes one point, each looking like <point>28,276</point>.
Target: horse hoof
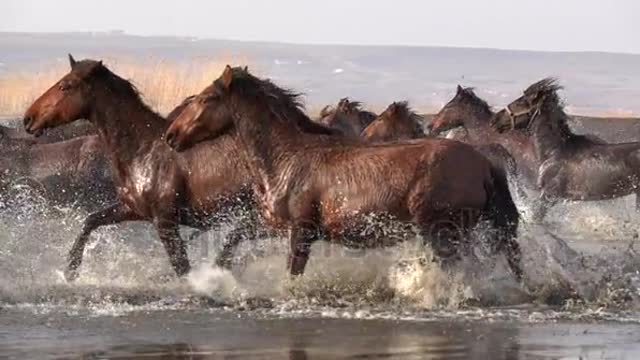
<point>71,275</point>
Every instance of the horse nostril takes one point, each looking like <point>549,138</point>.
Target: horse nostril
<point>27,121</point>
<point>170,137</point>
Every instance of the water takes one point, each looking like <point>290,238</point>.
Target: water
<point>581,296</point>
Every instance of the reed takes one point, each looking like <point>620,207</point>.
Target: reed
<point>163,83</point>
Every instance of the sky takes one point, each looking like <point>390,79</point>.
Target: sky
<point>558,25</point>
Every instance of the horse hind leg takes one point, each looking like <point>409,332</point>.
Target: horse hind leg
<point>503,214</point>
<point>300,240</point>
<point>445,235</point>
<point>111,215</point>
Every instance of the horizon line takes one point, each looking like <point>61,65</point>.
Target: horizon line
<point>120,32</point>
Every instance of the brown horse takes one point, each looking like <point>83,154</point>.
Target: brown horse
<point>397,122</point>
<point>153,182</point>
<point>348,117</point>
<point>572,167</point>
<point>73,172</point>
<point>319,185</point>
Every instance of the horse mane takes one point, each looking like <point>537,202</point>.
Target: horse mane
<point>548,86</point>
<point>284,104</point>
<point>552,104</point>
<point>404,111</point>
<point>468,95</point>
<point>347,105</point>
<point>88,69</point>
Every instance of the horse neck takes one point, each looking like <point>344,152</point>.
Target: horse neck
<point>126,126</point>
<point>547,141</point>
<point>477,119</point>
<point>267,141</point>
<point>402,128</point>
<point>478,125</point>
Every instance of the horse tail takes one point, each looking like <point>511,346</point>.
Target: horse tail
<point>502,213</point>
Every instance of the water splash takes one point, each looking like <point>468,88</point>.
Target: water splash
<point>571,271</point>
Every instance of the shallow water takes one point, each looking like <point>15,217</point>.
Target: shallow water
<point>215,334</point>
<point>580,298</point>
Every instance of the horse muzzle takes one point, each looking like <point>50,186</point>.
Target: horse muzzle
<point>29,124</point>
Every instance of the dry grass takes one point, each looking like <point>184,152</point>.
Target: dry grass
<point>163,83</point>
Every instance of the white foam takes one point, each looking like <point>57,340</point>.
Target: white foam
<point>213,281</point>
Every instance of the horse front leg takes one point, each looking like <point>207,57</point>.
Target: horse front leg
<point>111,215</point>
<point>174,245</point>
<point>542,206</point>
<point>245,230</point>
<point>300,240</point>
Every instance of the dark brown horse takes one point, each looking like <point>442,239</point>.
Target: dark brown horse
<point>73,172</point>
<point>348,117</point>
<point>67,132</point>
<point>397,122</point>
<point>319,185</point>
<point>572,167</point>
<point>153,182</point>
<point>468,111</point>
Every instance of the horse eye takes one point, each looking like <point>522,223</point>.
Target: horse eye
<point>65,86</point>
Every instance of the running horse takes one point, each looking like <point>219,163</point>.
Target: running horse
<point>348,117</point>
<point>153,182</point>
<point>467,110</point>
<point>67,173</point>
<point>397,122</point>
<point>320,186</point>
<point>572,167</point>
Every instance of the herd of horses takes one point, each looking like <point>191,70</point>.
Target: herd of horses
<point>244,151</point>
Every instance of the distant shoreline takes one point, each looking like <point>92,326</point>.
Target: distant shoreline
<point>121,33</point>
<point>596,84</point>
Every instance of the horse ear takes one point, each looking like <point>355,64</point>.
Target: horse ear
<point>393,107</point>
<point>246,68</point>
<point>459,89</point>
<point>72,61</point>
<point>227,77</point>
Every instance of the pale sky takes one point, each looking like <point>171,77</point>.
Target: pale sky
<point>571,25</point>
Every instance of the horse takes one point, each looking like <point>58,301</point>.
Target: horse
<point>72,172</point>
<point>472,113</point>
<point>153,182</point>
<point>325,187</point>
<point>68,132</point>
<point>572,167</point>
<point>396,122</point>
<point>399,122</point>
<point>69,172</point>
<point>348,116</point>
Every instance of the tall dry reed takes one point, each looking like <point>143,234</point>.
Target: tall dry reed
<point>163,83</point>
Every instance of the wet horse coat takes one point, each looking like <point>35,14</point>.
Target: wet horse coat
<point>317,184</point>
